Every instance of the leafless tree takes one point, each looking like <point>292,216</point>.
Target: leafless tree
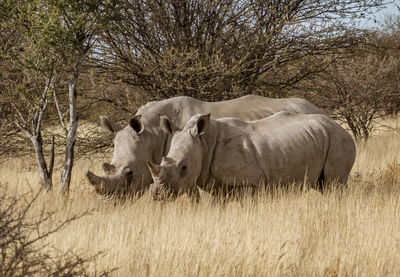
<point>361,87</point>
<point>226,48</point>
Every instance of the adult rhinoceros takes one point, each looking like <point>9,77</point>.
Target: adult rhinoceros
<point>282,148</point>
<point>143,140</point>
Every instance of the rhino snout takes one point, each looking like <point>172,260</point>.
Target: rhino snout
<point>161,192</point>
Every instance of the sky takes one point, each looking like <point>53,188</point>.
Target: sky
<point>379,17</point>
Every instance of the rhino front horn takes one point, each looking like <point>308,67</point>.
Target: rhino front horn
<point>154,169</point>
<point>94,180</point>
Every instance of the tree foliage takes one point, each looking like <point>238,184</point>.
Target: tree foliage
<point>50,41</point>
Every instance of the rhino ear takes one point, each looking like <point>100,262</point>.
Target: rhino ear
<point>201,126</point>
<point>110,126</point>
<point>136,124</point>
<point>166,124</point>
<point>154,169</point>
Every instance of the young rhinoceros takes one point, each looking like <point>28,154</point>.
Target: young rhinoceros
<point>143,139</point>
<point>282,148</point>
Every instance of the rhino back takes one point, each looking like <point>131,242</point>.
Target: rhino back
<point>253,107</point>
<point>250,107</point>
<point>178,109</point>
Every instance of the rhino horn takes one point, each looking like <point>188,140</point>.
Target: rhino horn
<point>167,160</point>
<point>154,169</point>
<point>94,180</point>
<point>108,168</point>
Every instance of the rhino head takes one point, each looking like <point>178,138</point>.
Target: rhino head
<point>182,167</point>
<point>127,172</point>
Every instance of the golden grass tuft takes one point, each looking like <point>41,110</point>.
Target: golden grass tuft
<point>295,232</point>
<point>391,173</point>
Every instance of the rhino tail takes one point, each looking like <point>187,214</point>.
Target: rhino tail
<point>321,180</point>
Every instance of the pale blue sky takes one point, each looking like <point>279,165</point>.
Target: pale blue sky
<point>379,17</point>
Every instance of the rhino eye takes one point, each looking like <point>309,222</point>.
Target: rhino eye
<point>183,170</point>
<point>128,172</point>
<point>129,177</point>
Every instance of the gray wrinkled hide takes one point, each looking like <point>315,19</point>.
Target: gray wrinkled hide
<point>143,140</point>
<point>282,148</point>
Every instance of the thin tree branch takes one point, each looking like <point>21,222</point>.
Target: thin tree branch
<point>60,116</point>
<point>51,162</point>
<point>19,113</point>
<point>23,129</point>
<point>49,85</point>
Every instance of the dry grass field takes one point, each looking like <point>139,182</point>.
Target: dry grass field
<point>349,232</point>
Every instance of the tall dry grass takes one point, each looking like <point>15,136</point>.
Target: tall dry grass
<point>354,231</point>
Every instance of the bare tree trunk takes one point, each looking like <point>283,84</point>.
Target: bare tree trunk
<point>73,125</point>
<point>46,174</point>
